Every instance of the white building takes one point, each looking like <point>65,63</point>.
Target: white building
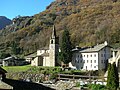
<point>92,58</point>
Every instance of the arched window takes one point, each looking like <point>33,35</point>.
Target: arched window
<point>51,41</point>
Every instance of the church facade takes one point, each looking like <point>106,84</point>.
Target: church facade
<point>47,56</point>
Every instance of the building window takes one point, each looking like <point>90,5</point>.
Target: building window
<point>101,55</point>
<point>87,56</point>
<point>94,61</point>
<point>91,61</point>
<point>84,55</point>
<point>104,55</point>
<point>80,56</point>
<point>87,61</point>
<point>94,66</point>
<point>81,61</point>
<point>104,61</point>
<point>101,61</point>
<point>94,55</point>
<point>91,55</point>
<point>51,41</point>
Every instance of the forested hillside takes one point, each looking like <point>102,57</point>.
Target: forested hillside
<point>89,22</point>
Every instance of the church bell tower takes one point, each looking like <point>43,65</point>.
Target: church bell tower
<point>53,47</point>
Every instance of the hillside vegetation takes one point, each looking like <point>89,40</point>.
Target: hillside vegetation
<point>89,22</point>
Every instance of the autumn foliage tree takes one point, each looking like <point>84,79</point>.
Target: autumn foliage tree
<point>89,21</point>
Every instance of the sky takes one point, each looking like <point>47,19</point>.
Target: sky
<point>13,8</point>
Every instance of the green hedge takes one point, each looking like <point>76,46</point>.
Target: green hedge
<point>97,87</point>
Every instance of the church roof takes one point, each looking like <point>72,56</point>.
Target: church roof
<point>31,55</point>
<point>45,54</point>
<point>54,32</point>
<point>44,48</point>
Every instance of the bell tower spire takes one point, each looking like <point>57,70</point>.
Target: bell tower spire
<point>53,37</point>
<point>54,32</point>
<point>53,47</point>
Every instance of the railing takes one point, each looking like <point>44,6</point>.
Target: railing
<point>73,77</point>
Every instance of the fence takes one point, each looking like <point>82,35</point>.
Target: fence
<point>83,79</point>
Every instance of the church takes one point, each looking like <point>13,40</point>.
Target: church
<point>47,56</point>
<point>88,58</point>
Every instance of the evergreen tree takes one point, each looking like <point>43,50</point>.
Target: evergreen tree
<point>15,48</point>
<point>116,75</point>
<point>112,78</point>
<point>66,48</point>
<point>109,76</point>
<point>4,55</point>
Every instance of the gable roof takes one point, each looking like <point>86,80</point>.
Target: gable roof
<point>44,48</point>
<point>31,55</point>
<point>45,54</point>
<point>9,58</point>
<point>95,48</point>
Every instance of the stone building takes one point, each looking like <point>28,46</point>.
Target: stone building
<point>12,61</point>
<point>9,61</point>
<point>47,56</point>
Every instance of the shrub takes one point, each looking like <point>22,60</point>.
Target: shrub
<point>77,84</point>
<point>97,87</point>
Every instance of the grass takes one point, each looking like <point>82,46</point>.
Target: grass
<point>27,67</point>
<point>41,69</point>
<point>17,72</point>
<point>17,68</point>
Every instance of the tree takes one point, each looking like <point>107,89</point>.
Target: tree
<point>4,55</point>
<point>112,78</point>
<point>66,48</point>
<point>109,75</point>
<point>15,48</point>
<point>116,75</point>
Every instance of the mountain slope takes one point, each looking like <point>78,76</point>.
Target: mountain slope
<point>4,21</point>
<point>89,22</point>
